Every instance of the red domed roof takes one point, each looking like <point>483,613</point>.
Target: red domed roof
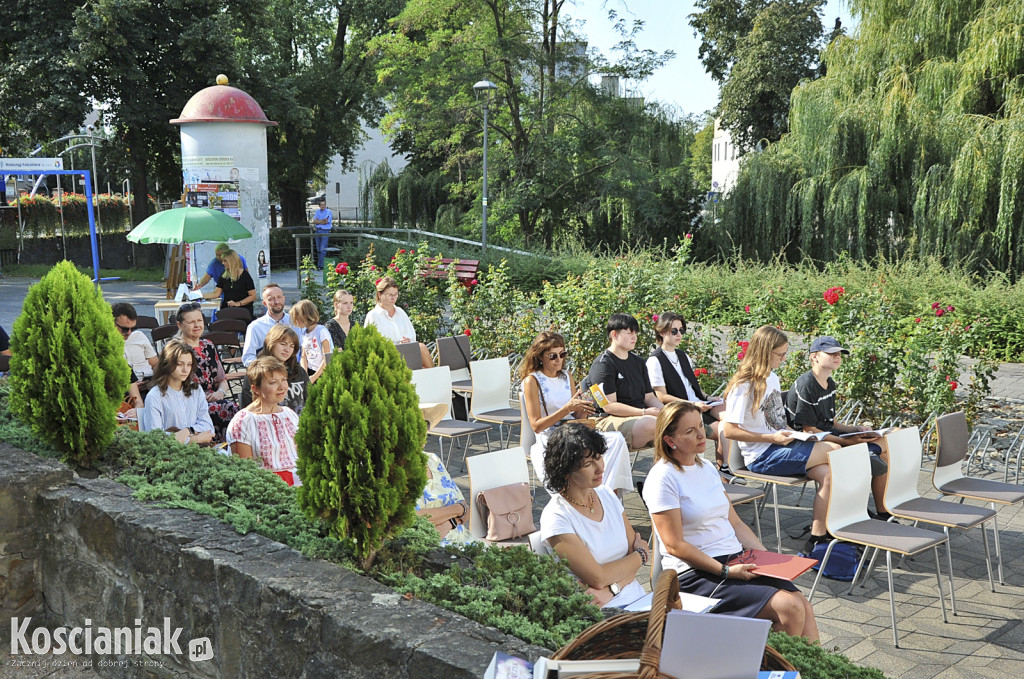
<point>222,104</point>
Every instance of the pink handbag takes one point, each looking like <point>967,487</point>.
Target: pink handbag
<point>508,511</point>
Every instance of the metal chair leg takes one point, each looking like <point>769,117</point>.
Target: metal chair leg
<point>892,601</point>
<point>821,568</point>
<point>999,551</point>
<point>988,558</point>
<point>859,570</point>
<point>778,524</point>
<point>938,578</point>
<point>949,559</point>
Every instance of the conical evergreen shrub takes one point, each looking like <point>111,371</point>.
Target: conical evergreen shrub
<point>360,443</point>
<point>68,373</point>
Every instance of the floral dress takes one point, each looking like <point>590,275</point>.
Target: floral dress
<point>210,373</point>
<point>441,491</point>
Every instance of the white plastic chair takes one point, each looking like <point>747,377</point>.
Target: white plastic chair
<point>493,470</point>
<point>539,546</point>
<point>492,384</point>
<point>847,519</point>
<point>904,502</point>
<point>434,385</point>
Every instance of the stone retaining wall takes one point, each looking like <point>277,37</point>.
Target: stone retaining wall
<point>73,549</point>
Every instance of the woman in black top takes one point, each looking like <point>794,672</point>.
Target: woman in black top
<point>235,283</point>
<point>341,325</point>
<point>673,378</point>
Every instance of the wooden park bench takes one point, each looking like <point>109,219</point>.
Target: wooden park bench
<point>466,270</point>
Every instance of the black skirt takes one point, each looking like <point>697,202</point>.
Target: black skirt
<point>745,598</point>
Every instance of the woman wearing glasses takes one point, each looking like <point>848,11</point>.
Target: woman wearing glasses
<point>699,532</point>
<point>671,373</point>
<point>552,398</point>
<point>209,372</point>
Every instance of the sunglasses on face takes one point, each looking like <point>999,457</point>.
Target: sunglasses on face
<point>677,331</point>
<point>557,355</point>
<point>189,306</point>
<point>124,330</point>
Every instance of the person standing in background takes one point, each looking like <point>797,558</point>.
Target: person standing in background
<point>323,220</point>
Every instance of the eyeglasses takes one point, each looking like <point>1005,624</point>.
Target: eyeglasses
<point>781,355</point>
<point>190,306</point>
<point>124,330</point>
<point>557,355</point>
<point>677,331</point>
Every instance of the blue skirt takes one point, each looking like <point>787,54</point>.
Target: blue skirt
<point>745,598</point>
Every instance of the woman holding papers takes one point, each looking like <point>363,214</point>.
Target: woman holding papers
<point>672,376</point>
<point>755,417</point>
<point>699,532</point>
<point>552,399</point>
<point>585,524</point>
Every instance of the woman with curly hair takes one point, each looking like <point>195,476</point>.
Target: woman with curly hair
<point>584,522</point>
<point>699,532</point>
<point>552,399</point>
<point>176,404</point>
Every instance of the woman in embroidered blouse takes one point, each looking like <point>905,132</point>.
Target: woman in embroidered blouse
<point>341,325</point>
<point>176,404</point>
<point>443,505</point>
<point>585,524</point>
<point>209,372</point>
<point>672,376</point>
<point>392,321</point>
<point>264,430</point>
<point>551,399</point>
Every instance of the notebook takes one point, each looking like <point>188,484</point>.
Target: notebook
<point>775,565</point>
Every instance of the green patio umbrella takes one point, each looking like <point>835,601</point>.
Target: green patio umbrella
<point>188,225</point>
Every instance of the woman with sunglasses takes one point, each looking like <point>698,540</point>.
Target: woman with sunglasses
<point>552,398</point>
<point>701,537</point>
<point>671,373</point>
<point>209,372</point>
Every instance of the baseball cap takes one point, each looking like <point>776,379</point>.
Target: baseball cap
<point>827,344</point>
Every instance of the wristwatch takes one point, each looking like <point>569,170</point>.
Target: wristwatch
<point>614,587</point>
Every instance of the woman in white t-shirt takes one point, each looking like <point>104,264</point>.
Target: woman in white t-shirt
<point>755,417</point>
<point>315,338</point>
<point>265,430</point>
<point>585,524</point>
<point>392,321</point>
<point>699,532</point>
<point>552,399</point>
<point>673,379</point>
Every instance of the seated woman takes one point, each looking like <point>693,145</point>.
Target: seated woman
<point>671,373</point>
<point>209,372</point>
<point>282,343</point>
<point>264,430</point>
<point>176,403</point>
<point>552,399</point>
<point>392,321</point>
<point>443,505</point>
<point>235,284</point>
<point>585,523</point>
<point>341,325</point>
<point>755,417</point>
<point>699,532</point>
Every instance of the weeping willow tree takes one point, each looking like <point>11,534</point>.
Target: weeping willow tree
<point>408,199</point>
<point>912,144</point>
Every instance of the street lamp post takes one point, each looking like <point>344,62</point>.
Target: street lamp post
<point>484,90</point>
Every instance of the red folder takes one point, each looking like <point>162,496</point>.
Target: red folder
<point>775,565</point>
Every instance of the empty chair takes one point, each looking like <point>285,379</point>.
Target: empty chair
<point>948,477</point>
<point>146,323</point>
<point>410,351</point>
<point>433,385</point>
<point>492,384</point>
<point>229,348</point>
<point>455,353</point>
<point>234,312</point>
<point>228,325</point>
<point>739,468</point>
<point>162,334</point>
<point>847,520</point>
<point>904,502</point>
<point>527,437</point>
<point>493,470</point>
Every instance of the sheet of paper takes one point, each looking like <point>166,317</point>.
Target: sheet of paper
<point>807,436</point>
<point>690,602</point>
<point>693,646</point>
<point>876,432</point>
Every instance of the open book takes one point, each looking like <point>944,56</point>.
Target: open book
<point>876,432</point>
<point>807,436</point>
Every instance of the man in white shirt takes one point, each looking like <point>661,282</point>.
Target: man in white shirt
<point>138,350</point>
<point>273,302</point>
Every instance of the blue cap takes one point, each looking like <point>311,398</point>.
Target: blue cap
<point>829,345</point>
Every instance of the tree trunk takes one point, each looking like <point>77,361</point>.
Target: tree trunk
<point>293,205</point>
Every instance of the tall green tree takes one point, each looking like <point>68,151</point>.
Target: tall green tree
<point>144,59</point>
<point>306,62</point>
<point>780,50</point>
<point>913,143</point>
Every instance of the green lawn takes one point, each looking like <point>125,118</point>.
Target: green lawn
<point>39,270</point>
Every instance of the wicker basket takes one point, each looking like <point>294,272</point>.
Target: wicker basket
<point>641,634</point>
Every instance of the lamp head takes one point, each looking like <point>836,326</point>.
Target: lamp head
<point>484,88</point>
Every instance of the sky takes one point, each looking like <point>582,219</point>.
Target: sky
<point>682,82</point>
